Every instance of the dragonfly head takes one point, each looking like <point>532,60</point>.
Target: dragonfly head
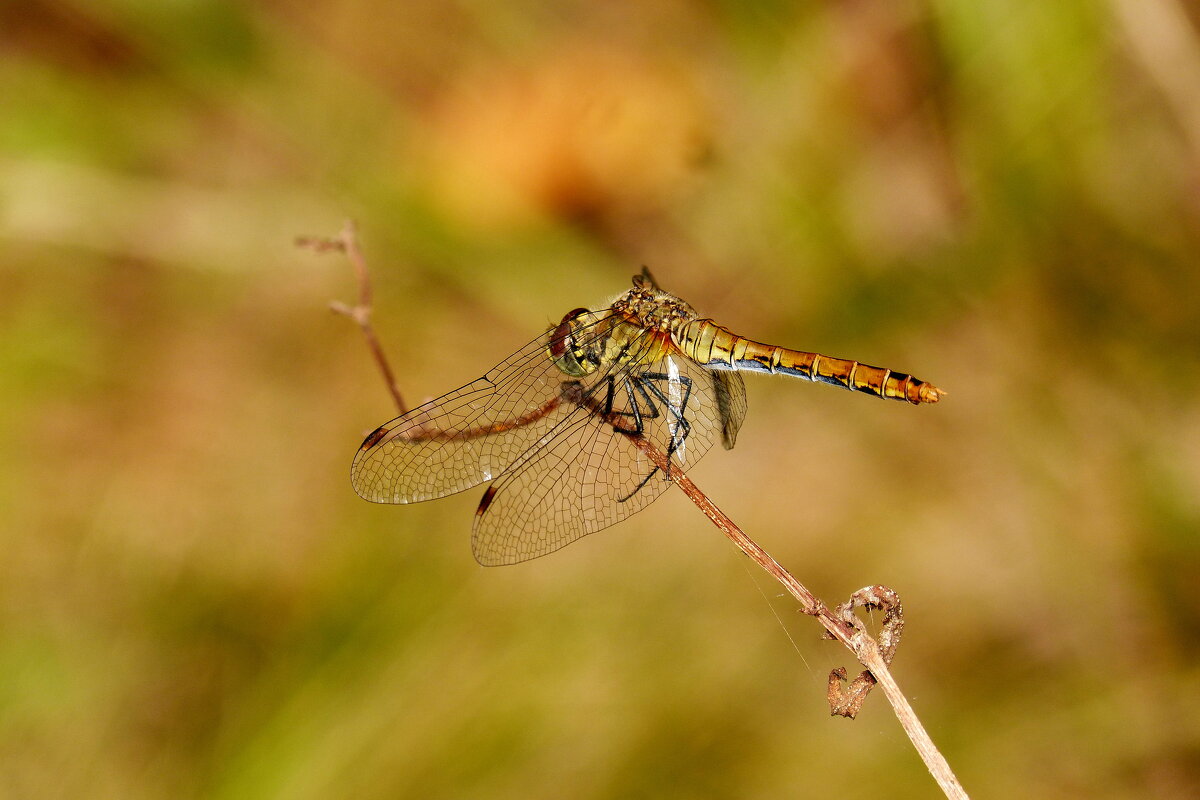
<point>571,348</point>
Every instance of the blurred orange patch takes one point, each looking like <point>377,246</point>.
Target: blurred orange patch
<point>581,134</point>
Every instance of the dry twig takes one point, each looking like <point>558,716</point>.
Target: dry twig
<point>347,242</point>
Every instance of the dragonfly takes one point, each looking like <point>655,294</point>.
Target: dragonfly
<point>561,428</point>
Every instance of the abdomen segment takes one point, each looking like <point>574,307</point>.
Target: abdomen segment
<point>715,347</point>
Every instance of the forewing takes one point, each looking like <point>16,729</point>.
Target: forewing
<point>587,475</point>
<point>468,436</point>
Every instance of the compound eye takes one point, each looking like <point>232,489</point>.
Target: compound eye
<point>560,336</point>
<point>562,346</point>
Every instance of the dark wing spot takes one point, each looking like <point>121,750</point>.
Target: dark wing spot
<point>485,501</point>
<point>374,438</point>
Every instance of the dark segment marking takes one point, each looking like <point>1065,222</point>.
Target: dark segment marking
<point>784,369</point>
<point>866,388</point>
<point>374,438</point>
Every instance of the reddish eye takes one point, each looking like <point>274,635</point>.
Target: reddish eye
<point>560,339</point>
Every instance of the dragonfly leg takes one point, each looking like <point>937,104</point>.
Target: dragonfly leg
<point>679,431</point>
<point>638,488</point>
<point>682,428</point>
<point>639,427</point>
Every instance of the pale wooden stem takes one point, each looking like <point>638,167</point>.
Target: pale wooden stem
<point>862,645</point>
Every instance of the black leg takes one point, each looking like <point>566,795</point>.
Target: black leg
<point>646,386</point>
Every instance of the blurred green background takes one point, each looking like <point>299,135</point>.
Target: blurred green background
<point>1002,198</point>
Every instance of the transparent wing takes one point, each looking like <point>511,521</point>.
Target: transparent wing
<point>470,435</point>
<point>730,392</point>
<point>588,474</point>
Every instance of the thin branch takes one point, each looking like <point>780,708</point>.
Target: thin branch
<point>347,242</point>
<point>845,627</point>
<point>843,624</point>
<point>870,657</point>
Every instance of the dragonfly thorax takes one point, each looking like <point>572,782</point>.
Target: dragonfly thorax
<point>636,329</point>
<point>650,308</point>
